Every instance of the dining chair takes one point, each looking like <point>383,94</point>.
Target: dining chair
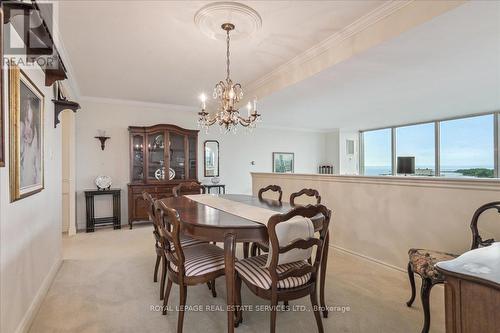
<point>160,257</point>
<point>422,262</point>
<point>254,247</point>
<point>287,281</point>
<point>188,188</point>
<point>247,247</point>
<point>188,266</point>
<point>273,188</point>
<point>306,191</point>
<point>257,248</point>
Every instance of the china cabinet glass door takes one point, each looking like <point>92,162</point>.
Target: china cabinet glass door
<point>192,157</point>
<point>156,156</point>
<point>177,156</point>
<point>137,157</point>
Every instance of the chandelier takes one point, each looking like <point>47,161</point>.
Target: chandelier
<point>229,95</point>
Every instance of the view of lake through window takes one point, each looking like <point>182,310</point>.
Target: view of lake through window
<point>466,148</point>
<point>377,147</point>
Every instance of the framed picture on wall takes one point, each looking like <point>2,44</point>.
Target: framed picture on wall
<point>2,121</point>
<point>283,162</point>
<point>26,104</point>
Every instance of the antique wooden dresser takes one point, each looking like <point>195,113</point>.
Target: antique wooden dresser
<point>472,291</point>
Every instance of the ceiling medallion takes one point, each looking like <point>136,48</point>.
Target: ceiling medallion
<point>229,95</point>
<point>210,17</point>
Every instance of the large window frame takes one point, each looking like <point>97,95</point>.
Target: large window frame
<point>437,143</point>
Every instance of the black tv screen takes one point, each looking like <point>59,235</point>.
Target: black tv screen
<point>406,165</point>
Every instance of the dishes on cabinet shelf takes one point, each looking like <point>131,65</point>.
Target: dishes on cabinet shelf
<point>160,173</point>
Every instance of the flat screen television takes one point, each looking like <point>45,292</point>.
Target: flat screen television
<point>406,165</point>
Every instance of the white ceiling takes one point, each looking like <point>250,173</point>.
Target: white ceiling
<point>152,51</point>
<point>446,67</point>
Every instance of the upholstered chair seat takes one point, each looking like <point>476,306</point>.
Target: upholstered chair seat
<point>422,262</point>
<point>253,271</point>
<point>187,241</point>
<point>202,259</point>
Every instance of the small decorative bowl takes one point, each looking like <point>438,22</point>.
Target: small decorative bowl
<point>215,180</point>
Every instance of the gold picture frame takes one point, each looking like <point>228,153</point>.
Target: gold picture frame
<point>2,122</point>
<point>26,105</point>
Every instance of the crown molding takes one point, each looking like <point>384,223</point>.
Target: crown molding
<point>71,83</point>
<point>379,13</point>
<point>136,103</point>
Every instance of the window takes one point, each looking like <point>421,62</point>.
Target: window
<point>377,152</point>
<point>418,141</point>
<point>455,148</point>
<point>467,147</point>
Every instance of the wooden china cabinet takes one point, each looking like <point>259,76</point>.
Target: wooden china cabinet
<point>161,157</point>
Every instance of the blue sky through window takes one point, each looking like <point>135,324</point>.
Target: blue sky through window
<point>467,143</point>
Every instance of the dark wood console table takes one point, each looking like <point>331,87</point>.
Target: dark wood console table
<point>221,188</point>
<point>472,291</point>
<point>114,220</point>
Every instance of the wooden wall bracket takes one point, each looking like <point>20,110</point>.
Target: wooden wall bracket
<point>62,104</point>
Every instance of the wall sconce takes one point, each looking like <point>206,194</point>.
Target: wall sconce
<point>102,137</point>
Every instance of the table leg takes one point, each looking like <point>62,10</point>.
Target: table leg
<point>229,257</point>
<point>324,262</point>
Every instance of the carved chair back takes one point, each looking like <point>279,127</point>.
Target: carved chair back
<point>150,206</point>
<point>306,191</point>
<point>274,188</point>
<point>309,211</point>
<point>169,225</point>
<point>188,187</point>
<point>477,240</point>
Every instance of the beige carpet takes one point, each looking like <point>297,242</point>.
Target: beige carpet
<point>106,284</point>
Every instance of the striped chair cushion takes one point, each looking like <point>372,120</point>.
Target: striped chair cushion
<point>187,241</point>
<point>252,270</point>
<point>201,259</point>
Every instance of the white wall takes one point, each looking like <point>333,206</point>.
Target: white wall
<point>236,150</point>
<point>332,153</point>
<point>336,151</point>
<point>30,229</point>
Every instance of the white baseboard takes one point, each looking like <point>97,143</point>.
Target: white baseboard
<point>30,314</point>
<point>368,258</point>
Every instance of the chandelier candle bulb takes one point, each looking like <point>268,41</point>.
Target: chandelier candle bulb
<point>203,101</point>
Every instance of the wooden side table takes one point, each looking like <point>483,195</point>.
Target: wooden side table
<point>114,220</point>
<point>221,188</point>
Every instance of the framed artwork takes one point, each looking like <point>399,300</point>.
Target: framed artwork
<point>283,162</point>
<point>2,121</point>
<point>26,104</point>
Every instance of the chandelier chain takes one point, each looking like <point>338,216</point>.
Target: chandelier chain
<point>227,55</point>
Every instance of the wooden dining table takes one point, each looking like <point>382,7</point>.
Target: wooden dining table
<point>206,223</point>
